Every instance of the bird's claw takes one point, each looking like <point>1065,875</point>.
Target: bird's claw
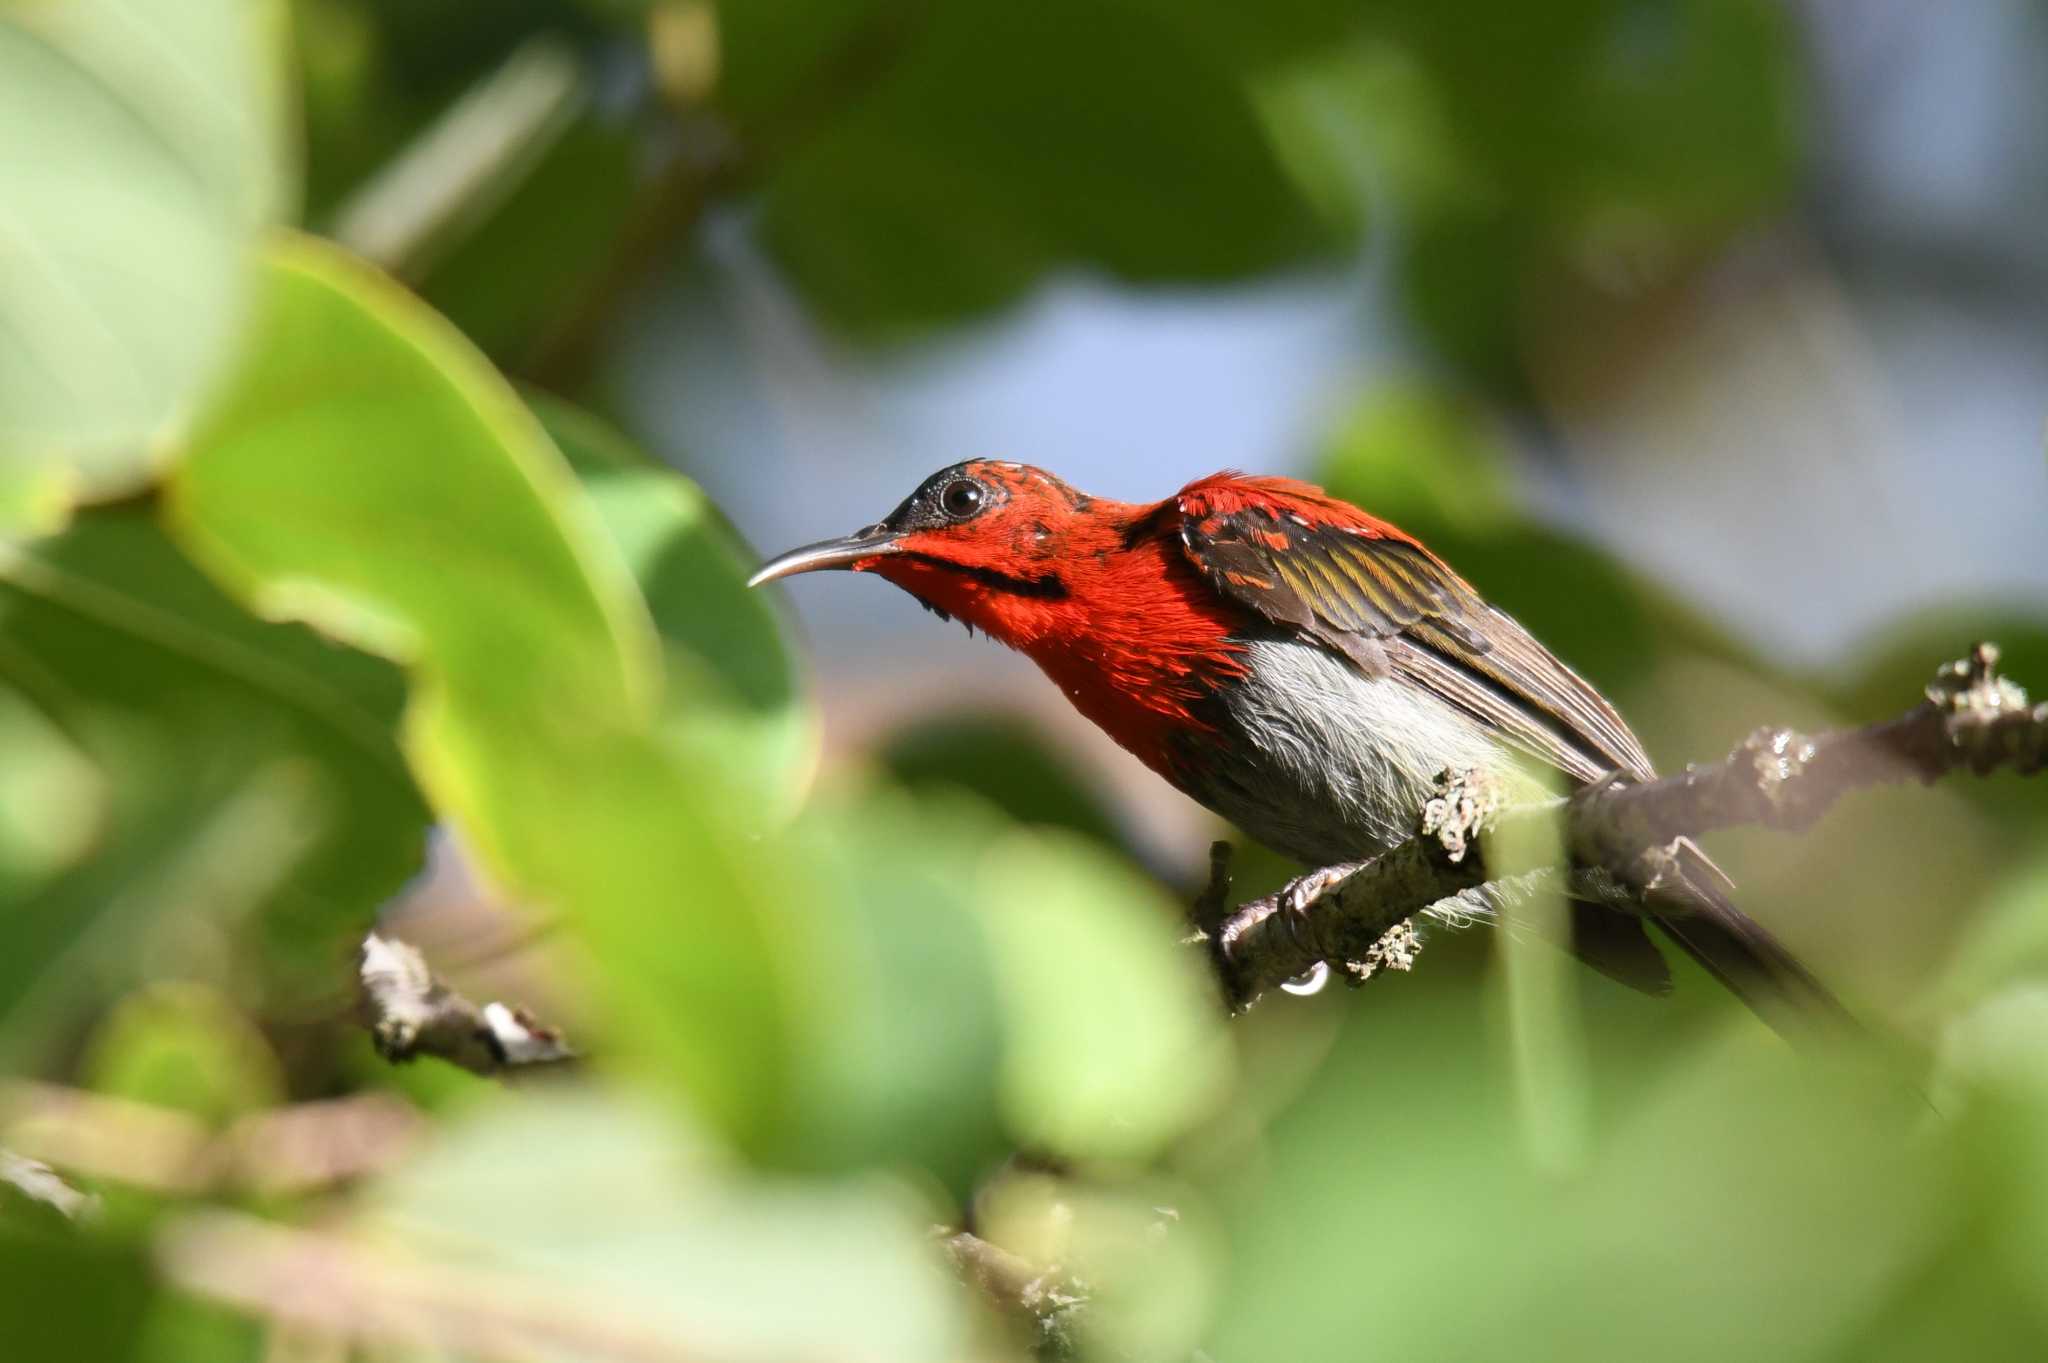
<point>1212,906</point>
<point>1296,899</point>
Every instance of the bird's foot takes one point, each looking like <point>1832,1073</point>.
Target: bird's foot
<point>1301,894</point>
<point>1297,898</point>
<point>1212,905</point>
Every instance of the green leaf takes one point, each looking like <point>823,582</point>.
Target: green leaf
<point>216,774</point>
<point>447,474</point>
<point>583,1229</point>
<point>1751,1204</point>
<point>975,984</point>
<point>2007,943</point>
<point>1005,761</point>
<point>557,232</point>
<point>369,471</point>
<point>1555,170</point>
<point>51,798</point>
<point>1251,36</point>
<point>774,55</point>
<point>736,687</point>
<point>141,142</point>
<point>182,1046</point>
<point>1111,1039</point>
<point>972,168</point>
<point>1143,1256</point>
<point>1424,459</point>
<point>67,1296</point>
<point>557,1190</point>
<point>908,1035</point>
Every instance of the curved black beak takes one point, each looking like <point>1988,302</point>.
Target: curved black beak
<point>843,552</point>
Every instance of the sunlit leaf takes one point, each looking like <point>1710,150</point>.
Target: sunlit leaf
<point>909,1034</point>
<point>977,985</point>
<point>1112,1043</point>
<point>439,525</point>
<point>140,141</point>
<point>736,691</point>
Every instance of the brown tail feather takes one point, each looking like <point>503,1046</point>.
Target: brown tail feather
<point>1695,911</point>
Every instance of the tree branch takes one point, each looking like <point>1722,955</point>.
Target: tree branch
<point>1044,1299</point>
<point>1971,718</point>
<point>411,1013</point>
<point>39,1184</point>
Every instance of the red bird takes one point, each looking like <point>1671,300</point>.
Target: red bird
<point>1295,664</point>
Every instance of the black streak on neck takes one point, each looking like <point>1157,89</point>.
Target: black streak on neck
<point>1047,587</point>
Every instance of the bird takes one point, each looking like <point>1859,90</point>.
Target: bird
<point>1304,669</point>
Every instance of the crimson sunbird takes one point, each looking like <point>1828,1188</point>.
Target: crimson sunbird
<point>1301,667</point>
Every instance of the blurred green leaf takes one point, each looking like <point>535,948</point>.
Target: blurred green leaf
<point>523,177</point>
<point>965,173</point>
<point>51,798</point>
<point>1993,1078</point>
<point>555,233</point>
<point>1143,1256</point>
<point>1252,36</point>
<point>437,526</point>
<point>440,526</point>
<point>1112,1044</point>
<point>35,496</point>
<point>236,775</point>
<point>183,1046</point>
<point>1424,459</point>
<point>1551,169</point>
<point>736,687</point>
<point>1006,762</point>
<point>182,1329</point>
<point>904,1060</point>
<point>1750,1206</point>
<point>2007,943</point>
<point>64,1296</point>
<point>778,58</point>
<point>581,1228</point>
<point>143,146</point>
<point>976,982</point>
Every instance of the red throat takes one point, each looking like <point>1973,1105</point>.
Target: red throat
<point>1100,595</point>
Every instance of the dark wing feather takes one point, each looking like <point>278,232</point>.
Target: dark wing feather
<point>1365,590</point>
<point>1388,604</point>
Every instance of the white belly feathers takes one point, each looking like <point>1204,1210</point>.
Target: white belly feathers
<point>1328,765</point>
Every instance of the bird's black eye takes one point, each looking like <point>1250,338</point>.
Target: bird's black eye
<point>961,498</point>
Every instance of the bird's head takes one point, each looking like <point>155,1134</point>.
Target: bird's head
<point>1003,547</point>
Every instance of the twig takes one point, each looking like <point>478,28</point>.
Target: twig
<point>1971,718</point>
<point>1778,778</point>
<point>411,1013</point>
<point>294,1149</point>
<point>40,1184</point>
<point>1045,1299</point>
